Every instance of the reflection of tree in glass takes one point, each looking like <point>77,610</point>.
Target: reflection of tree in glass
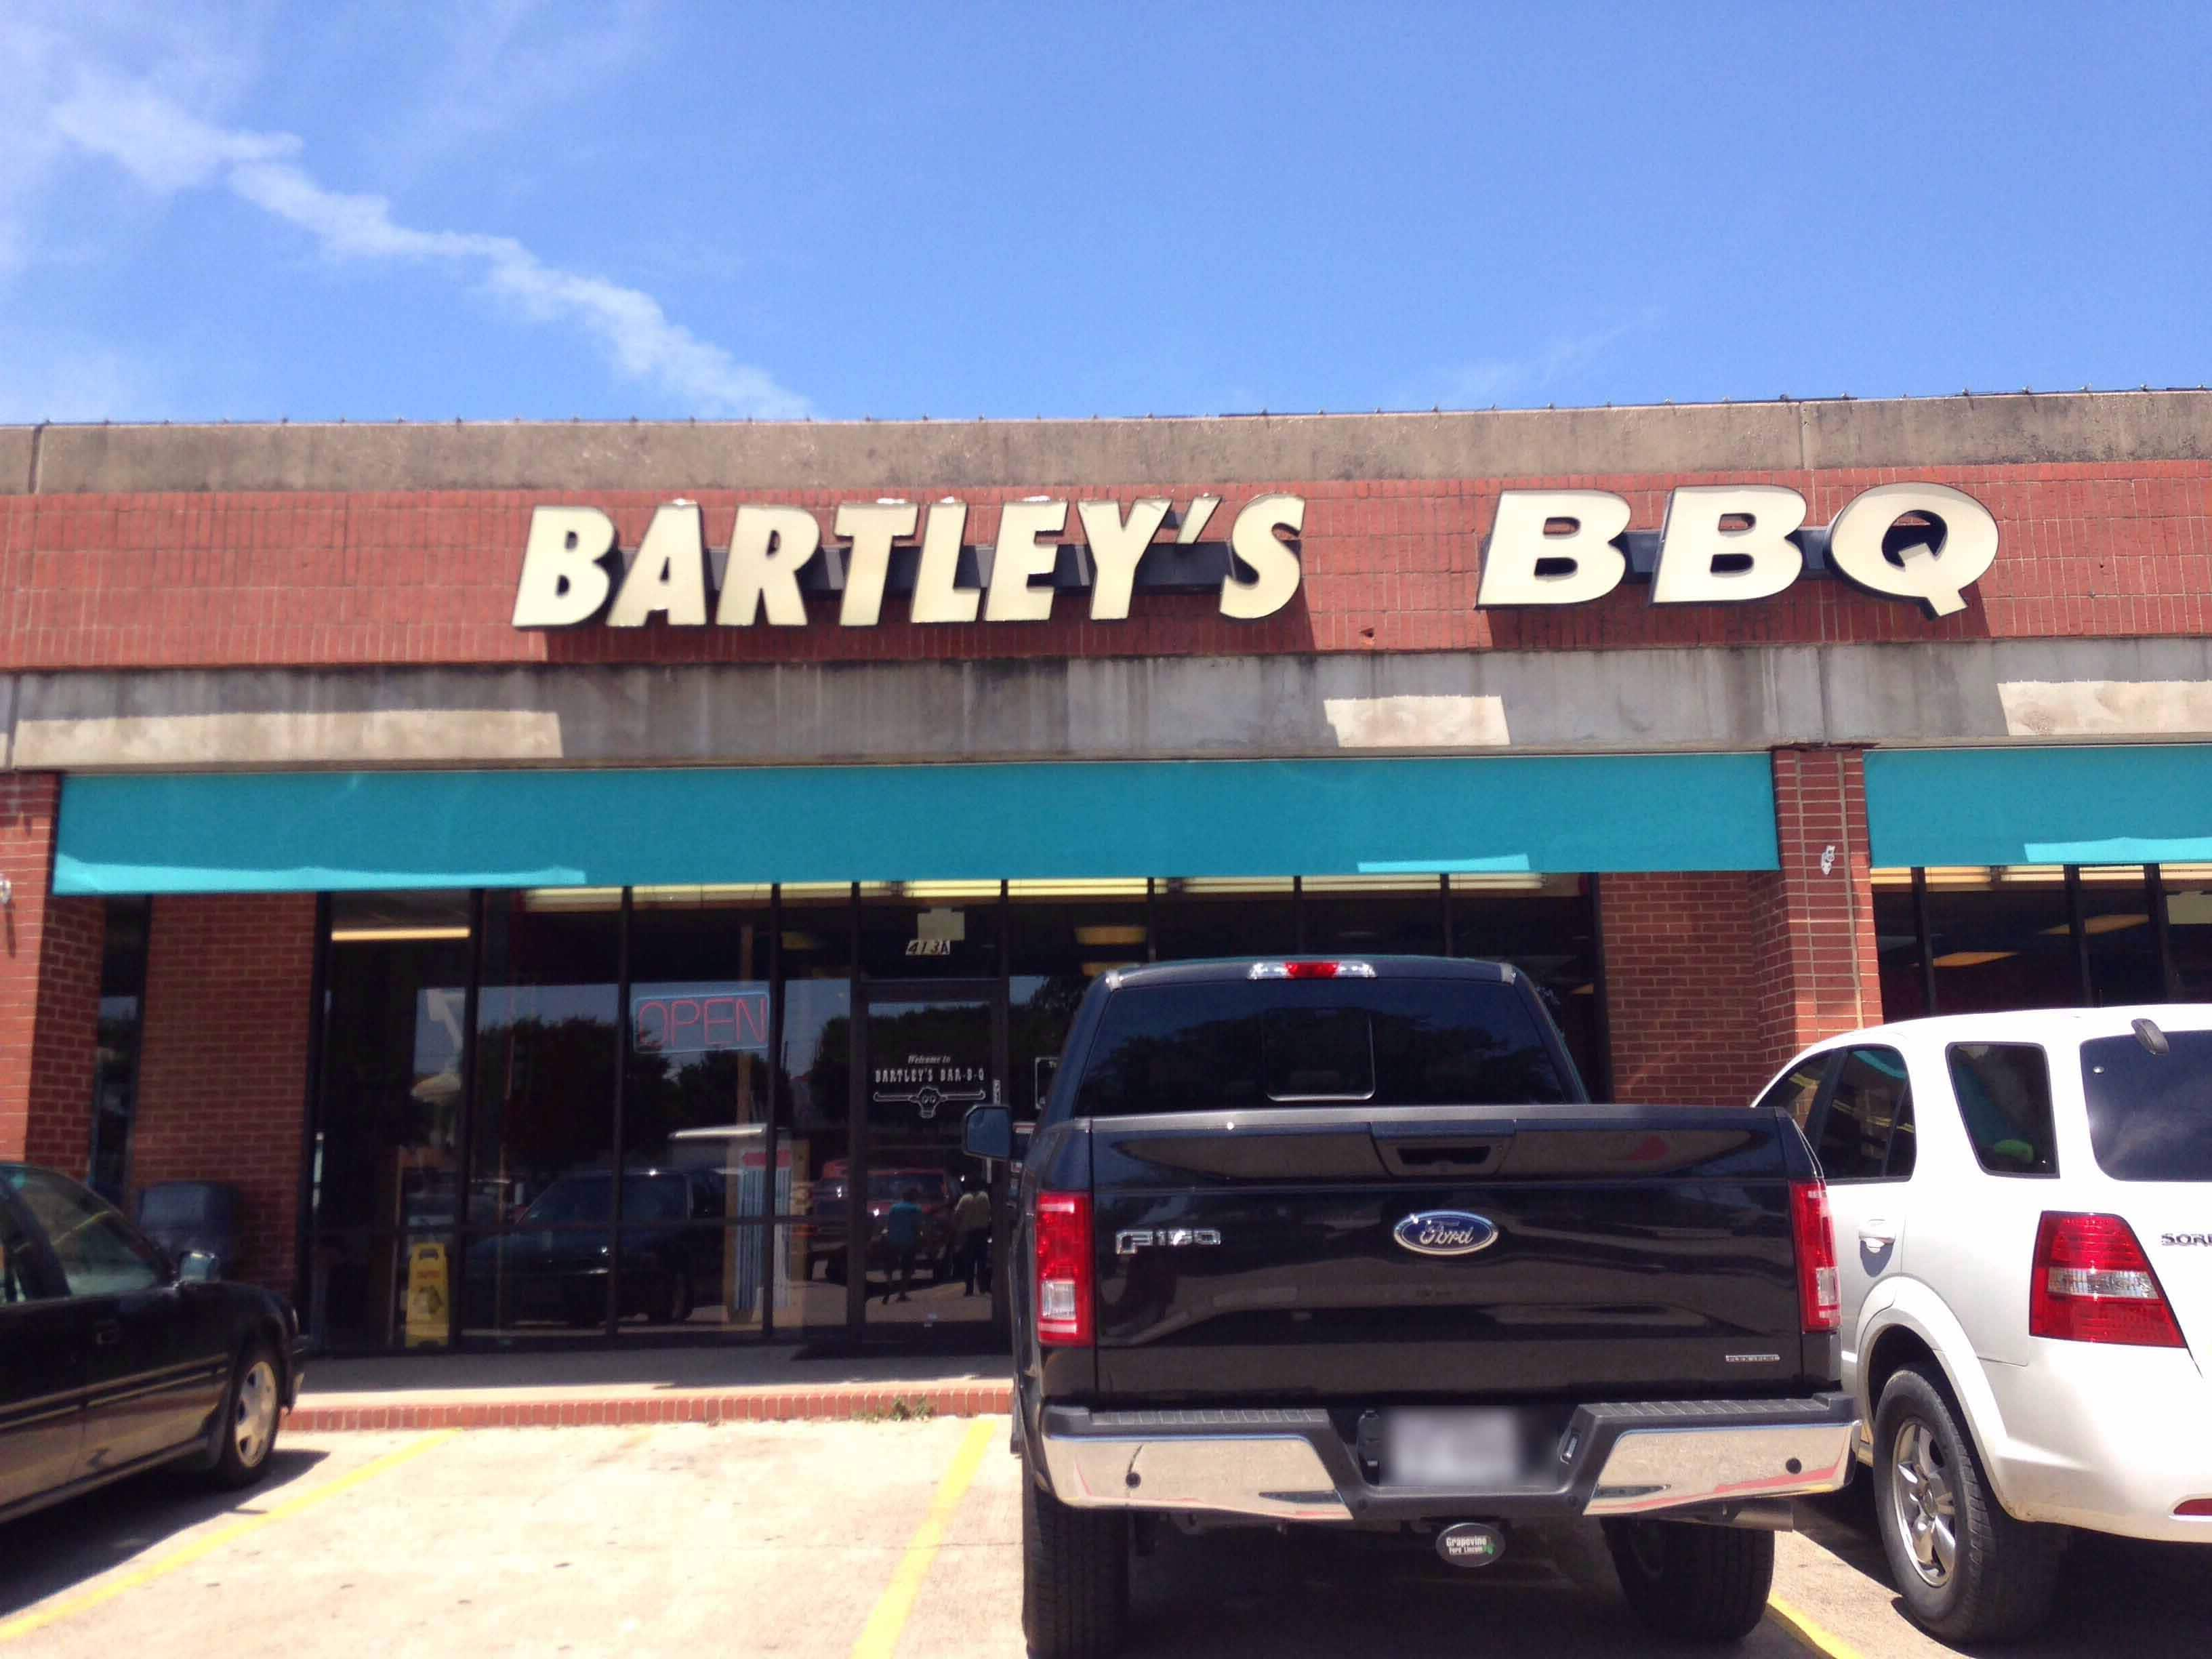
<point>545,1095</point>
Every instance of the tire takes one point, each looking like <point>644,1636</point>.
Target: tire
<point>1075,1576</point>
<point>244,1433</point>
<point>672,1305</point>
<point>2000,1574</point>
<point>1695,1582</point>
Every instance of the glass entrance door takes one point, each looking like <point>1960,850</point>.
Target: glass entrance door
<point>930,1050</point>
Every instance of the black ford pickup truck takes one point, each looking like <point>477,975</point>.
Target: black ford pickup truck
<point>1344,1244</point>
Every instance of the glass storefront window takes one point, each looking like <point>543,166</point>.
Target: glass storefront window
<point>1373,915</point>
<point>1897,939</point>
<point>929,930</point>
<point>2001,938</point>
<point>386,1168</point>
<point>2189,927</point>
<point>547,1037</point>
<point>115,1075</point>
<point>1061,935</point>
<point>1203,917</point>
<point>2116,931</point>
<point>1545,927</point>
<point>815,1070</point>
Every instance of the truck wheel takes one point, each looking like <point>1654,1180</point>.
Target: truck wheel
<point>243,1432</point>
<point>1075,1576</point>
<point>1697,1583</point>
<point>1967,1571</point>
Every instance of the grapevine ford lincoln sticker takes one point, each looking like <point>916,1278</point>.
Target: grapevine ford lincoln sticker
<point>1721,543</point>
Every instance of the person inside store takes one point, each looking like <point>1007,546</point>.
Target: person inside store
<point>903,1232</point>
<point>971,1234</point>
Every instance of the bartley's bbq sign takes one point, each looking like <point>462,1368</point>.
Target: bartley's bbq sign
<point>1721,543</point>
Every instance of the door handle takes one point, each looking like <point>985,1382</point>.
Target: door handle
<point>1877,1233</point>
<point>107,1333</point>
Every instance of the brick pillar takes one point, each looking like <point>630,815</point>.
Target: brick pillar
<point>1820,966</point>
<point>50,953</point>
<point>222,1074</point>
<point>1681,987</point>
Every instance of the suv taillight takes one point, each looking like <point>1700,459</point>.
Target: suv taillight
<point>1819,1300</point>
<point>2094,1283</point>
<point>1064,1283</point>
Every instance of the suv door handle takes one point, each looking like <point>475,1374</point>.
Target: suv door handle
<point>1877,1232</point>
<point>107,1333</point>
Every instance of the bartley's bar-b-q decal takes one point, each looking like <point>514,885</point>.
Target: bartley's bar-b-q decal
<point>1721,544</point>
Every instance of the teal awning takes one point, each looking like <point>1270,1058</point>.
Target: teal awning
<point>2150,804</point>
<point>291,832</point>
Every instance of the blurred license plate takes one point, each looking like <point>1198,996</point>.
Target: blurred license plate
<point>1474,1450</point>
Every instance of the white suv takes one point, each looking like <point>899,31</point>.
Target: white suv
<point>2023,1216</point>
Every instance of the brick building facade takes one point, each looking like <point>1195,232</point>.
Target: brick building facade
<point>264,674</point>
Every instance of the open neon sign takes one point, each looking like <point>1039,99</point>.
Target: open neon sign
<point>703,1021</point>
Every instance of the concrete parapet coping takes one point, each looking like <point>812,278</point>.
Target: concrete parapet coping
<point>1719,438</point>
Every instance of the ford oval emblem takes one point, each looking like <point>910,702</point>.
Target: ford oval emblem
<point>1446,1232</point>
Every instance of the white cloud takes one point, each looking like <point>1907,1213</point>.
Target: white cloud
<point>152,132</point>
<point>1507,379</point>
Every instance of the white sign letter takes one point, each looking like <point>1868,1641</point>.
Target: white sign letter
<point>1116,549</point>
<point>1518,546</point>
<point>669,574</point>
<point>872,529</point>
<point>1936,576</point>
<point>1693,543</point>
<point>1274,568</point>
<point>1021,556</point>
<point>564,583</point>
<point>767,549</point>
<point>935,599</point>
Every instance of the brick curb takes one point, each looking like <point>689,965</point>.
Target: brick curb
<point>735,1406</point>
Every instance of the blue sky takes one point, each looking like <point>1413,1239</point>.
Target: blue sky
<point>501,208</point>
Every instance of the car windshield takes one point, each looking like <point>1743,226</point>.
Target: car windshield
<point>1243,1044</point>
<point>2150,1114</point>
<point>588,1198</point>
<point>890,1187</point>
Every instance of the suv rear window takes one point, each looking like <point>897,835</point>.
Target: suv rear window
<point>2150,1115</point>
<point>1385,1043</point>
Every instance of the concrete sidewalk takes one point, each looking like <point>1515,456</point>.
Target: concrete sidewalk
<point>669,1385</point>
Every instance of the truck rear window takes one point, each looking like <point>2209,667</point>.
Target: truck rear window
<point>1386,1042</point>
<point>2150,1115</point>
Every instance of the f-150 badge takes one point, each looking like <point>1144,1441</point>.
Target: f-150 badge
<point>1130,1240</point>
<point>1446,1232</point>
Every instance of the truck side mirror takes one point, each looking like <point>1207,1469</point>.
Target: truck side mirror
<point>988,1132</point>
<point>197,1268</point>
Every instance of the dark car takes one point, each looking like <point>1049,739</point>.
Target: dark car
<point>553,1265</point>
<point>113,1358</point>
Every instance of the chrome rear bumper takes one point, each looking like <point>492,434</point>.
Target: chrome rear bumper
<point>1292,1464</point>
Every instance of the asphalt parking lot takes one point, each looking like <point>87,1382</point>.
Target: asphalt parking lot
<point>871,1539</point>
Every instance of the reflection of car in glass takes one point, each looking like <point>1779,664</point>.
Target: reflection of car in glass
<point>826,1235</point>
<point>553,1264</point>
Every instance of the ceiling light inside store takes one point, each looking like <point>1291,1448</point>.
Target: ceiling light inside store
<point>1114,933</point>
<point>1972,958</point>
<point>394,935</point>
<point>2192,909</point>
<point>2094,925</point>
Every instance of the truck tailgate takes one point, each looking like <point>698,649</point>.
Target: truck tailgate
<point>1638,1251</point>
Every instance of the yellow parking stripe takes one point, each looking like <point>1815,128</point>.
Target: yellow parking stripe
<point>199,1549</point>
<point>881,1634</point>
<point>1812,1634</point>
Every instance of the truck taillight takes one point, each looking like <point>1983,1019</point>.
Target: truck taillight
<point>2094,1283</point>
<point>1820,1300</point>
<point>1064,1277</point>
<point>1312,970</point>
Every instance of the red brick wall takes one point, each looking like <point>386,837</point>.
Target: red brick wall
<point>1819,967</point>
<point>305,578</point>
<point>223,1071</point>
<point>49,987</point>
<point>1683,996</point>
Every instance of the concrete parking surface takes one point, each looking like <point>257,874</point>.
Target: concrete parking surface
<point>872,1539</point>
